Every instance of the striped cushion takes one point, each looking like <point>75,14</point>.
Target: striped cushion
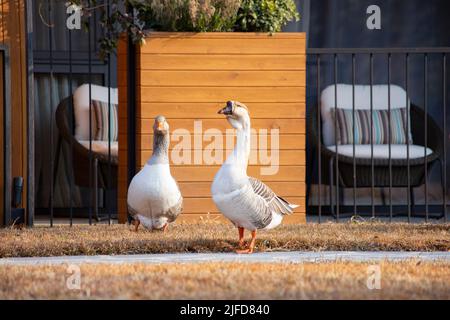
<point>380,127</point>
<point>100,126</point>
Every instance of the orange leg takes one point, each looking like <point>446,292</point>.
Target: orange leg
<point>241,237</point>
<point>251,246</point>
<point>165,228</point>
<point>136,223</point>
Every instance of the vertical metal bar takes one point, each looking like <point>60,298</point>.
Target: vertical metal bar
<point>30,116</point>
<point>109,183</point>
<point>96,186</point>
<point>71,119</point>
<point>354,133</point>
<point>390,137</point>
<point>407,134</point>
<point>335,136</point>
<point>91,191</point>
<point>7,135</point>
<point>444,106</point>
<point>131,111</point>
<point>52,164</point>
<point>425,97</point>
<point>319,138</point>
<point>371,138</point>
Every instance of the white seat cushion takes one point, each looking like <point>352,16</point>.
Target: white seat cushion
<point>101,147</point>
<point>381,151</point>
<point>362,101</point>
<point>81,106</point>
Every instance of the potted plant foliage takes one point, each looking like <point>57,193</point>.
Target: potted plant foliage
<point>137,18</point>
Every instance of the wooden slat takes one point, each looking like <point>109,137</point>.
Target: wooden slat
<point>122,46</point>
<point>287,157</point>
<point>122,189</point>
<point>286,142</point>
<point>232,45</point>
<point>122,107</point>
<point>203,173</point>
<point>207,173</point>
<point>285,126</point>
<point>222,62</point>
<point>203,189</point>
<point>122,94</point>
<point>205,205</point>
<point>122,209</point>
<point>219,218</point>
<point>122,63</point>
<point>207,110</point>
<point>123,163</point>
<point>226,35</point>
<point>205,218</point>
<point>213,78</point>
<point>222,94</point>
<point>201,219</point>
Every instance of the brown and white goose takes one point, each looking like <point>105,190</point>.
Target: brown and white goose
<point>154,198</point>
<point>245,201</point>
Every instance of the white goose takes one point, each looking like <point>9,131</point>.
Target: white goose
<point>154,198</point>
<point>245,201</point>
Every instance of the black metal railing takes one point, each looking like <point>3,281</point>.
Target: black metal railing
<point>64,59</point>
<point>421,72</point>
<point>427,124</point>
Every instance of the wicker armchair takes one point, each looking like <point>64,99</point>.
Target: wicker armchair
<point>102,164</point>
<point>363,165</point>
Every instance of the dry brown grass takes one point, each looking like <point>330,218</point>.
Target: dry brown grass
<point>338,280</point>
<point>216,237</point>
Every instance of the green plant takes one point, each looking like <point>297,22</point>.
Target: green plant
<point>265,15</point>
<point>136,17</point>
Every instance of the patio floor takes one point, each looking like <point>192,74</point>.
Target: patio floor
<point>260,257</point>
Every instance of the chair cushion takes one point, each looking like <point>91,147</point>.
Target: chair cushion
<point>381,151</point>
<point>380,126</point>
<point>101,147</point>
<point>362,102</point>
<point>101,111</point>
<point>81,104</point>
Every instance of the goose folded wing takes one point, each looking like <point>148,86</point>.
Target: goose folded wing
<point>274,202</point>
<point>132,212</point>
<point>173,212</point>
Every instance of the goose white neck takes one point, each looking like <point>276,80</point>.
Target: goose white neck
<point>240,155</point>
<point>160,149</point>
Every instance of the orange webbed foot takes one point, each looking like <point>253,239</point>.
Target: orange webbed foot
<point>244,251</point>
<point>251,245</point>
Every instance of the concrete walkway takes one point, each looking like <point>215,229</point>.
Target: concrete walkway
<point>291,257</point>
